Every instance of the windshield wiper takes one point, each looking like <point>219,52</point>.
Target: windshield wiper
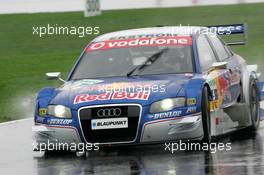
<point>148,62</point>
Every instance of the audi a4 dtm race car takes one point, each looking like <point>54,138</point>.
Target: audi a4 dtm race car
<point>152,85</point>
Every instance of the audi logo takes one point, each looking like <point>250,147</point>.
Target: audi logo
<point>111,112</point>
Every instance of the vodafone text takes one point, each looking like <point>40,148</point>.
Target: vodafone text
<point>160,41</point>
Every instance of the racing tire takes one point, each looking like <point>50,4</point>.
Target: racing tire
<point>206,116</point>
<point>50,153</point>
<point>254,105</point>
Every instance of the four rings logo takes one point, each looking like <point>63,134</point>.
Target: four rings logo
<point>111,112</point>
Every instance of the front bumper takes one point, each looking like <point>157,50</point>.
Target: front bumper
<point>173,129</point>
<point>180,128</point>
<point>57,137</point>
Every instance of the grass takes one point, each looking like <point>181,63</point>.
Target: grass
<point>25,58</point>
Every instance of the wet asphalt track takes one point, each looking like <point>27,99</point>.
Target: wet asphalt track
<point>17,157</point>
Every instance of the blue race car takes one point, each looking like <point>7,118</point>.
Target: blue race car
<point>152,85</point>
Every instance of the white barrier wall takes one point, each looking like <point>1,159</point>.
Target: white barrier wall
<point>31,6</point>
<point>126,4</point>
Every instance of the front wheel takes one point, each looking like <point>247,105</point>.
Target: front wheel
<point>254,103</point>
<point>206,120</point>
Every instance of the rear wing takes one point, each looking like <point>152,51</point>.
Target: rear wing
<point>232,29</point>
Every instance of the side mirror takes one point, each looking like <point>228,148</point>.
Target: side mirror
<point>54,75</point>
<point>219,65</point>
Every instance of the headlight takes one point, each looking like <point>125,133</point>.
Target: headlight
<point>59,111</point>
<point>167,104</point>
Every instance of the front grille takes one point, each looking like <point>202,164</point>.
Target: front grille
<point>132,112</point>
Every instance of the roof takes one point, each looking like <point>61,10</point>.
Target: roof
<point>150,32</point>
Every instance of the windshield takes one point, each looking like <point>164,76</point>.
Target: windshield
<point>100,60</point>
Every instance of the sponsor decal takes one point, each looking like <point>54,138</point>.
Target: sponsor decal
<point>191,101</point>
<point>191,109</point>
<point>220,83</point>
<point>59,121</point>
<point>166,115</point>
<point>159,41</point>
<point>90,97</point>
<point>146,35</point>
<point>211,81</point>
<point>40,119</point>
<point>216,103</point>
<point>111,96</point>
<point>211,106</point>
<point>223,83</point>
<point>109,123</point>
<point>214,94</point>
<point>42,111</point>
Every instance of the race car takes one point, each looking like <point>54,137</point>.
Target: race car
<point>152,85</point>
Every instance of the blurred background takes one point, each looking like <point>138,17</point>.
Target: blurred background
<point>25,58</point>
<point>27,6</point>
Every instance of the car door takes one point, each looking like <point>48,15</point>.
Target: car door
<point>228,78</point>
<point>218,79</point>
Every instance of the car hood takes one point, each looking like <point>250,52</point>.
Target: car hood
<point>86,92</point>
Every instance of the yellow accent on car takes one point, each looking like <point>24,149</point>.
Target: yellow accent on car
<point>191,101</point>
<point>42,111</point>
<point>211,106</point>
<point>216,104</point>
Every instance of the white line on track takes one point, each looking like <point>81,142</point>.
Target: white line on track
<point>15,121</point>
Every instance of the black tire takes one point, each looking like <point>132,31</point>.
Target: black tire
<point>254,105</point>
<point>206,116</point>
<point>52,153</point>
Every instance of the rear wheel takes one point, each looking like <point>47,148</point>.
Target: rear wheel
<point>206,120</point>
<point>254,103</point>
